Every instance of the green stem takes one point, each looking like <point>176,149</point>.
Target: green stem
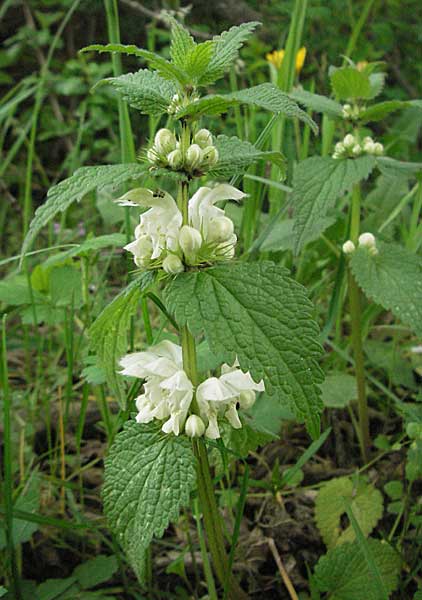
<point>356,328</point>
<point>208,502</point>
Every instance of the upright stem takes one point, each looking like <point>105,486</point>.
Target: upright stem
<point>356,328</point>
<point>212,519</point>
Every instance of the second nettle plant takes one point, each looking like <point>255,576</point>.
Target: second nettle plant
<point>253,321</point>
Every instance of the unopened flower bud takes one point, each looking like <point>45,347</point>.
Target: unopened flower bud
<point>378,149</point>
<point>220,229</point>
<point>164,141</point>
<point>209,156</point>
<point>348,247</point>
<point>194,426</point>
<point>349,141</point>
<point>175,159</point>
<point>367,240</point>
<point>203,138</point>
<point>339,148</point>
<point>193,156</point>
<point>172,264</point>
<point>152,155</point>
<point>247,399</point>
<point>369,147</point>
<point>356,150</point>
<point>190,240</point>
<point>347,110</point>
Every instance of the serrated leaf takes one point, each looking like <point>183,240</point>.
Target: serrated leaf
<point>163,67</point>
<point>345,575</point>
<point>317,183</point>
<point>259,314</point>
<point>197,60</point>
<point>377,82</point>
<point>393,279</point>
<point>148,478</point>
<point>181,44</point>
<point>73,189</point>
<point>265,95</point>
<point>236,155</point>
<point>226,50</point>
<point>390,167</point>
<point>378,112</point>
<point>144,90</point>
<point>108,333</point>
<point>318,103</point>
<point>350,84</point>
<point>366,504</point>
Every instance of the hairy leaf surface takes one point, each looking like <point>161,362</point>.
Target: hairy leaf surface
<point>317,102</point>
<point>144,90</point>
<point>148,478</point>
<point>226,50</point>
<point>392,278</point>
<point>345,574</point>
<point>236,155</point>
<point>365,501</point>
<point>259,314</point>
<point>108,333</point>
<point>265,95</point>
<point>73,189</point>
<point>317,183</point>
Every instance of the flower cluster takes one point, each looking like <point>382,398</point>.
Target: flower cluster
<point>197,158</point>
<point>366,240</point>
<point>351,147</point>
<point>168,392</point>
<point>161,239</point>
<point>350,112</point>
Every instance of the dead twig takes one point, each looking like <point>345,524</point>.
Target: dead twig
<point>284,575</point>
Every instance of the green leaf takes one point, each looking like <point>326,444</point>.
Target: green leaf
<point>338,390</point>
<point>28,501</point>
<point>280,237</point>
<point>226,50</point>
<point>57,588</point>
<point>73,189</point>
<point>108,333</point>
<point>317,183</point>
<point>344,572</point>
<point>95,571</point>
<point>164,68</point>
<point>148,478</point>
<point>318,103</point>
<point>197,60</point>
<point>144,90</point>
<point>65,284</point>
<point>259,314</point>
<point>393,279</point>
<point>378,112</point>
<point>366,504</point>
<point>265,95</point>
<point>350,84</point>
<point>182,43</point>
<point>235,156</point>
<point>90,244</point>
<point>390,167</point>
<point>15,292</point>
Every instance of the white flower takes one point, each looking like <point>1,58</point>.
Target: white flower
<point>219,396</point>
<point>209,156</point>
<point>367,239</point>
<point>356,150</point>
<point>168,392</point>
<point>175,158</point>
<point>378,149</point>
<point>348,247</point>
<point>161,223</point>
<point>194,426</point>
<point>220,229</point>
<point>202,209</point>
<point>190,241</point>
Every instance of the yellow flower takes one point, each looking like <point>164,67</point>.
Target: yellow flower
<point>276,58</point>
<point>362,64</point>
<point>300,59</point>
